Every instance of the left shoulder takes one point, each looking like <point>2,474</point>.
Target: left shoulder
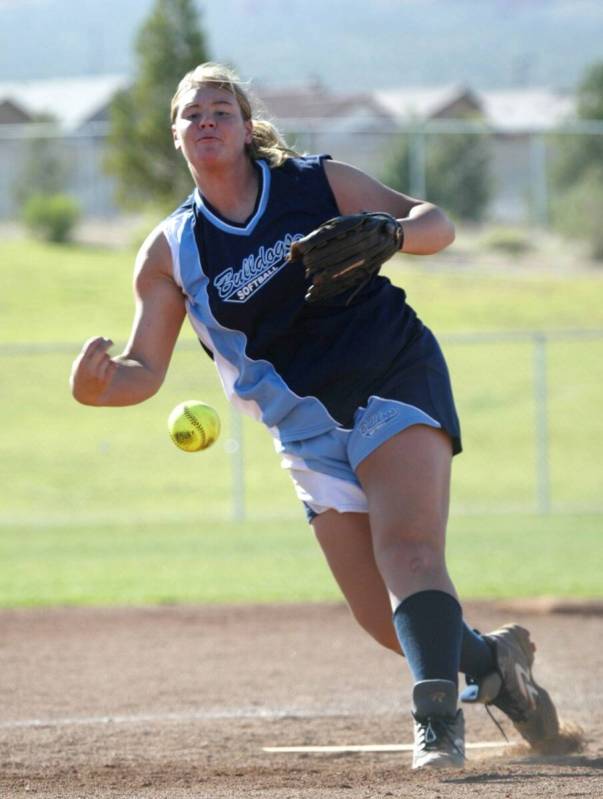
<point>301,164</point>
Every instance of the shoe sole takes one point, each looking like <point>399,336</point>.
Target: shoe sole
<point>441,762</point>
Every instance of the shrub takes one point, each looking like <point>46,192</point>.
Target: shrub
<point>509,241</point>
<point>579,212</point>
<point>51,217</point>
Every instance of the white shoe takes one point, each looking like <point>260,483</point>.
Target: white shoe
<point>439,726</point>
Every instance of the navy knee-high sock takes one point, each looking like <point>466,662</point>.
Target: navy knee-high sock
<point>476,655</point>
<point>429,626</point>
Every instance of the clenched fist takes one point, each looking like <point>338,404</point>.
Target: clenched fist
<point>92,371</point>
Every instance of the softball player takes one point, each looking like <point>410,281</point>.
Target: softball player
<point>356,395</point>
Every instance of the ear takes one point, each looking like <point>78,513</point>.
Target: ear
<point>248,131</point>
<point>176,138</point>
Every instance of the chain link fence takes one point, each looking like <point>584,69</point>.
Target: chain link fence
<point>517,166</point>
<point>529,405</point>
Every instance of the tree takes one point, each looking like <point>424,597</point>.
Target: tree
<point>578,169</point>
<point>457,175</point>
<point>577,154</point>
<point>141,153</point>
<point>590,93</point>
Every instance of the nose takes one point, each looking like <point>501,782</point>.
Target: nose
<point>206,121</point>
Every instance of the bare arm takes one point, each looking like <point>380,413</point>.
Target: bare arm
<point>136,374</point>
<point>427,229</point>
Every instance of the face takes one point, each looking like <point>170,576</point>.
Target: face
<point>209,127</point>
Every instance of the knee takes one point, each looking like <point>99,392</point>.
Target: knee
<point>413,551</point>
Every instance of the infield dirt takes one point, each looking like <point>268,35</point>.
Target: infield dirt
<point>178,703</point>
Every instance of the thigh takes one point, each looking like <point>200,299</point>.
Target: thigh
<point>345,539</point>
<point>407,484</point>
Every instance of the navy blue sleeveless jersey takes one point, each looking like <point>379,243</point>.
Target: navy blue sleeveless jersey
<point>299,369</point>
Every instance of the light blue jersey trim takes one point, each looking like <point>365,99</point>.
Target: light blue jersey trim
<point>237,230</point>
<point>255,385</point>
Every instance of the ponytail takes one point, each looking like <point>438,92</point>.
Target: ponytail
<point>267,143</point>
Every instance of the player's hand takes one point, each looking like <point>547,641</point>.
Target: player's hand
<point>92,371</point>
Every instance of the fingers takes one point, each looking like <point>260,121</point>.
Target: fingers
<point>105,369</point>
<point>92,370</point>
<point>94,352</point>
<point>296,251</point>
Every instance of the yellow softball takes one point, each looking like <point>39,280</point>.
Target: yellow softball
<point>193,425</point>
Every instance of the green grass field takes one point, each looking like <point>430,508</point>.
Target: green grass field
<point>98,506</point>
<point>278,560</point>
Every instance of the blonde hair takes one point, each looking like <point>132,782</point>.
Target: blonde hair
<point>266,141</point>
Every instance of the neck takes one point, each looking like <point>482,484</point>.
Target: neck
<point>232,190</point>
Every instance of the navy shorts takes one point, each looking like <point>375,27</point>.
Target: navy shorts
<point>323,468</point>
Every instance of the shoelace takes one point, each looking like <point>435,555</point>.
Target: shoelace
<point>438,725</point>
<point>497,722</point>
<point>509,706</point>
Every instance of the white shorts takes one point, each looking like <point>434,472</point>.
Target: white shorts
<point>323,468</point>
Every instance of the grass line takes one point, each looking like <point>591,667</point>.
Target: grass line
<point>99,507</point>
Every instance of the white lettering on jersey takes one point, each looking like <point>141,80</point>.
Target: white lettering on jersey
<point>370,425</point>
<point>238,285</point>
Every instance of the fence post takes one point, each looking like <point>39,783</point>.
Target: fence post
<point>543,481</point>
<point>538,179</point>
<point>416,167</point>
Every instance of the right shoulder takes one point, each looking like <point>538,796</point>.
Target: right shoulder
<point>154,257</point>
<point>159,249</point>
